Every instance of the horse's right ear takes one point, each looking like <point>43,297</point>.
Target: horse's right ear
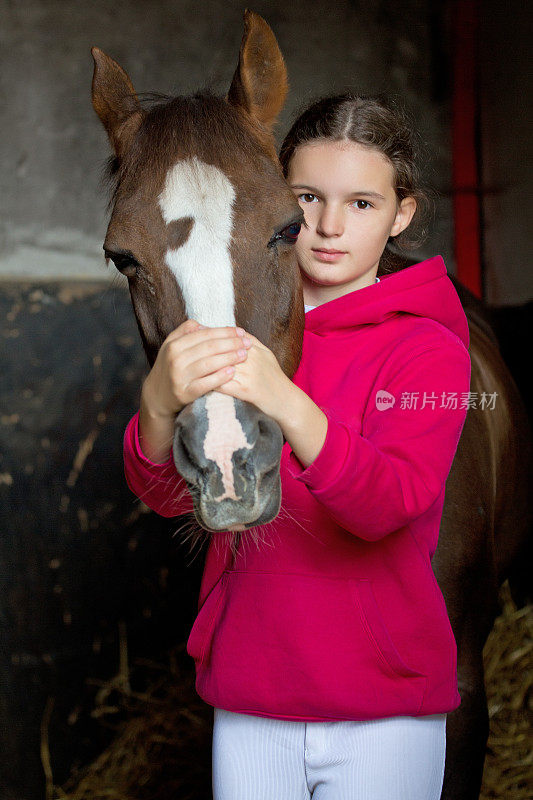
<point>115,101</point>
<point>259,84</point>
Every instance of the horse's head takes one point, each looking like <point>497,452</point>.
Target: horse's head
<point>198,226</point>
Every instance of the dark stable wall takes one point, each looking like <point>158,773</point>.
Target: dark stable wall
<point>53,146</point>
<point>79,555</point>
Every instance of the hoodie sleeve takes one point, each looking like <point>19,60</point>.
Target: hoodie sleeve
<point>375,478</point>
<point>159,486</point>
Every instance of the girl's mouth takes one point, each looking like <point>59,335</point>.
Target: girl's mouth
<point>328,255</point>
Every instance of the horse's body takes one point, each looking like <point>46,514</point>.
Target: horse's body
<point>485,532</point>
<point>200,210</point>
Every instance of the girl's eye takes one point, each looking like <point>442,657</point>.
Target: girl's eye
<point>307,197</point>
<point>362,204</point>
<point>288,234</point>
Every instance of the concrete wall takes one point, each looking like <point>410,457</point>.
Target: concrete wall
<point>52,219</point>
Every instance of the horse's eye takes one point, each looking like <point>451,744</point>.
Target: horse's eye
<point>125,264</point>
<point>291,232</point>
<point>288,234</point>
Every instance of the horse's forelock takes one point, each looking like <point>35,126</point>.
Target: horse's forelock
<point>203,125</point>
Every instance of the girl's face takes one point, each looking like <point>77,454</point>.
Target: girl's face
<point>346,192</point>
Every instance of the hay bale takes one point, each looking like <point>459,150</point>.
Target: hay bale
<point>508,660</point>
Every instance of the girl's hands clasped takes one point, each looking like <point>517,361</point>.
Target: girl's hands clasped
<point>259,379</point>
<point>192,361</point>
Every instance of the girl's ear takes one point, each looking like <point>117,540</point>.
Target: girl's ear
<point>404,215</point>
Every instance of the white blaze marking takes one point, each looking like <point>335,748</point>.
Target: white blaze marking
<point>204,272</point>
<point>224,436</point>
<point>202,266</point>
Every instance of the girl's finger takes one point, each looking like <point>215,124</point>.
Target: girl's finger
<point>207,366</point>
<point>254,340</point>
<point>192,326</point>
<point>187,327</point>
<point>239,331</point>
<point>208,335</point>
<point>200,355</point>
<point>211,382</point>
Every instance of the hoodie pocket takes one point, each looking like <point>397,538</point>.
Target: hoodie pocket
<point>376,629</point>
<point>301,646</point>
<point>205,621</point>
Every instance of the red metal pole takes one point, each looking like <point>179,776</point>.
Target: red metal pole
<point>465,170</point>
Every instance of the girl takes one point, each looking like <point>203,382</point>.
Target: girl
<point>328,655</point>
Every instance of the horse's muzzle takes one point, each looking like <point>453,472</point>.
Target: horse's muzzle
<point>229,453</point>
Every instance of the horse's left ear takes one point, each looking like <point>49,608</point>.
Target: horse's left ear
<point>115,101</point>
<point>259,84</point>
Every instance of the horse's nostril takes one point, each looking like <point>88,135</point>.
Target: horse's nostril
<point>240,458</point>
<point>270,433</point>
<point>270,473</point>
<point>186,463</point>
<point>185,450</point>
<point>265,428</point>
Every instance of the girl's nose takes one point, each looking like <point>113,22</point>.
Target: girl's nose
<point>331,221</point>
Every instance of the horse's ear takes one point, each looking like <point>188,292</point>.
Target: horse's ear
<point>259,84</point>
<point>114,100</point>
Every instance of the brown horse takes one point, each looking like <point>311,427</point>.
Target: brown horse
<point>202,226</point>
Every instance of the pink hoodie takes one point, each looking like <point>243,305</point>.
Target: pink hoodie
<point>337,614</point>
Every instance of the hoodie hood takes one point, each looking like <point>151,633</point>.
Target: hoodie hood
<point>423,289</point>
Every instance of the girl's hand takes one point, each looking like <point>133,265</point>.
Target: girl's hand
<point>191,361</point>
<point>259,379</point>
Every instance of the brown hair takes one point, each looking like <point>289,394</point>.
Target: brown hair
<point>378,122</point>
